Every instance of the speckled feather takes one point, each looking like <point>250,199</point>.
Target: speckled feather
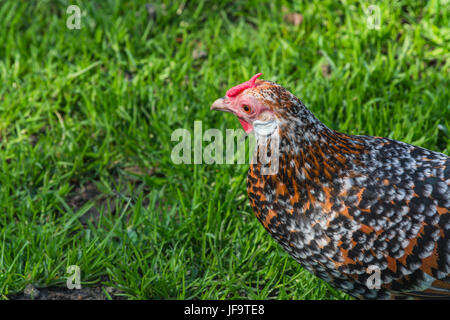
<point>340,204</point>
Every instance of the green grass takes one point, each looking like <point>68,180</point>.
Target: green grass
<point>96,107</point>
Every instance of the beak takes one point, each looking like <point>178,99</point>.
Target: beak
<point>221,104</point>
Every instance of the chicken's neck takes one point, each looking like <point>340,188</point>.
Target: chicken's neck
<point>309,152</point>
<point>313,152</point>
<point>312,161</point>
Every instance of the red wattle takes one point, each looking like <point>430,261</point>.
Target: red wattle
<point>245,125</point>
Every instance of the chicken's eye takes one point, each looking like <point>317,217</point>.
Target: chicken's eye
<point>246,108</point>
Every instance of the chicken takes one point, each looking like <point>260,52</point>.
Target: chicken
<point>369,215</point>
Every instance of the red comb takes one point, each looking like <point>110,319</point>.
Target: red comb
<point>241,87</point>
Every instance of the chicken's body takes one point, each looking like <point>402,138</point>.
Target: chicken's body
<point>368,215</point>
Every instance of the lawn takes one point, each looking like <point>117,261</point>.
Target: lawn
<point>86,118</point>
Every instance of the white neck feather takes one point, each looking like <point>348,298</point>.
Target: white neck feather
<point>264,128</point>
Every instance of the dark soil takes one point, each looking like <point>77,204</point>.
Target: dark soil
<point>60,293</point>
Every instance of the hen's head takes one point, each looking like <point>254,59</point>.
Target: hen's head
<point>259,105</point>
